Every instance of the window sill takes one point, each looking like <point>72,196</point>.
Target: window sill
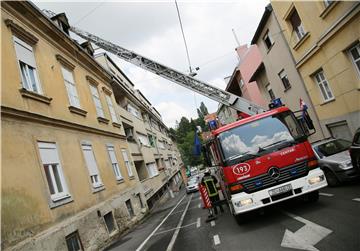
<point>103,120</point>
<point>131,177</point>
<point>115,124</point>
<point>77,110</point>
<point>35,96</point>
<point>98,189</point>
<point>288,88</point>
<point>120,181</point>
<point>328,101</point>
<point>327,10</point>
<point>60,202</point>
<point>301,41</point>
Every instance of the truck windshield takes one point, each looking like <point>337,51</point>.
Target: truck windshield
<point>251,139</point>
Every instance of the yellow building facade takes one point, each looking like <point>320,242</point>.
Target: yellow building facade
<point>68,177</point>
<point>323,37</point>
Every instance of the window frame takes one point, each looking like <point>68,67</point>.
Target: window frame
<point>111,108</point>
<point>268,37</point>
<point>322,91</point>
<point>357,47</point>
<point>128,165</point>
<point>130,208</point>
<point>25,78</point>
<point>152,169</point>
<point>114,163</point>
<point>78,239</point>
<point>72,87</point>
<point>299,30</point>
<point>95,179</point>
<point>96,97</point>
<point>56,196</point>
<point>282,72</point>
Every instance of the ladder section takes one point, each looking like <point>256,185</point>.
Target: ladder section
<point>214,93</point>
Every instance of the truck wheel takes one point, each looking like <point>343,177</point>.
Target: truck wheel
<point>312,197</point>
<point>331,178</point>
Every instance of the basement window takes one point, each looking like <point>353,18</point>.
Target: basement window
<point>73,242</point>
<point>130,208</point>
<point>109,221</point>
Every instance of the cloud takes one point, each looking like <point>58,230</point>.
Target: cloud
<point>171,111</point>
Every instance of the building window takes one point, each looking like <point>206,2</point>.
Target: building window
<point>130,208</point>
<point>355,57</point>
<point>152,169</point>
<point>134,111</point>
<point>324,86</point>
<point>127,162</point>
<point>73,242</point>
<point>140,200</point>
<point>111,109</point>
<point>97,101</point>
<point>152,140</point>
<point>167,164</point>
<point>298,27</point>
<point>284,80</point>
<point>25,55</point>
<point>270,91</point>
<point>109,222</point>
<point>161,144</point>
<point>114,163</point>
<point>92,166</point>
<point>70,87</point>
<point>268,40</point>
<point>143,139</point>
<point>53,171</point>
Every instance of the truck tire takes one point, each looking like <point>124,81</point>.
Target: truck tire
<point>312,197</point>
<point>240,218</point>
<point>331,178</point>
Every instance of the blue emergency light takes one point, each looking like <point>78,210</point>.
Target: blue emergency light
<point>275,103</point>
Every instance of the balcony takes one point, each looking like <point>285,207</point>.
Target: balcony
<point>151,185</point>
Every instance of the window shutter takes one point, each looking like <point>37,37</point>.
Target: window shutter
<point>48,153</point>
<point>90,160</point>
<point>24,52</point>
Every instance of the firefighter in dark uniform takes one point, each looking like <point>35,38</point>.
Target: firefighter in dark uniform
<point>210,181</point>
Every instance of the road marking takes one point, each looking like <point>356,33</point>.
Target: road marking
<point>176,233</point>
<point>199,206</point>
<point>327,194</point>
<point>212,223</point>
<point>172,229</point>
<point>198,222</point>
<point>356,199</point>
<point>162,222</point>
<point>216,240</point>
<point>306,237</point>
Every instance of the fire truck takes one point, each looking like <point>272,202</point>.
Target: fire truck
<point>263,158</point>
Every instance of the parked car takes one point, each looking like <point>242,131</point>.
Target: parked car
<point>192,185</point>
<point>334,160</point>
<point>355,150</point>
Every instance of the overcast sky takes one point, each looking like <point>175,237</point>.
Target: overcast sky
<point>152,29</point>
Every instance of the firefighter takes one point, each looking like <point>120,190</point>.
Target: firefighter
<point>210,181</point>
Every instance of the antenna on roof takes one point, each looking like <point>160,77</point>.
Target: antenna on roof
<point>236,38</point>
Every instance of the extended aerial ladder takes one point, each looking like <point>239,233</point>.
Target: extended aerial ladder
<point>221,96</point>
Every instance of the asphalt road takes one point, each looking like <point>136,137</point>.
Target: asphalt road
<point>332,223</point>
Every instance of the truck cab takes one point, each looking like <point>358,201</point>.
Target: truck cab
<point>264,159</point>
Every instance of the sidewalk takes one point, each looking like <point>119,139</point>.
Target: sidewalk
<point>132,239</point>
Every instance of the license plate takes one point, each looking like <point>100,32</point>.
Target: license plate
<point>280,190</point>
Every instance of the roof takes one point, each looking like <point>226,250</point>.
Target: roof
<point>250,119</point>
<point>264,18</point>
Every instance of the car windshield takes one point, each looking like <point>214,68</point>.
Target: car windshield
<point>332,147</point>
<point>249,140</point>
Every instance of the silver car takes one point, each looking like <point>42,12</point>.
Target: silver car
<point>192,185</point>
<point>334,160</point>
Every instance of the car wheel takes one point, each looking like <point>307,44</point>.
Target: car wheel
<point>331,178</point>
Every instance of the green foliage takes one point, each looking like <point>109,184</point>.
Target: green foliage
<point>184,134</point>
